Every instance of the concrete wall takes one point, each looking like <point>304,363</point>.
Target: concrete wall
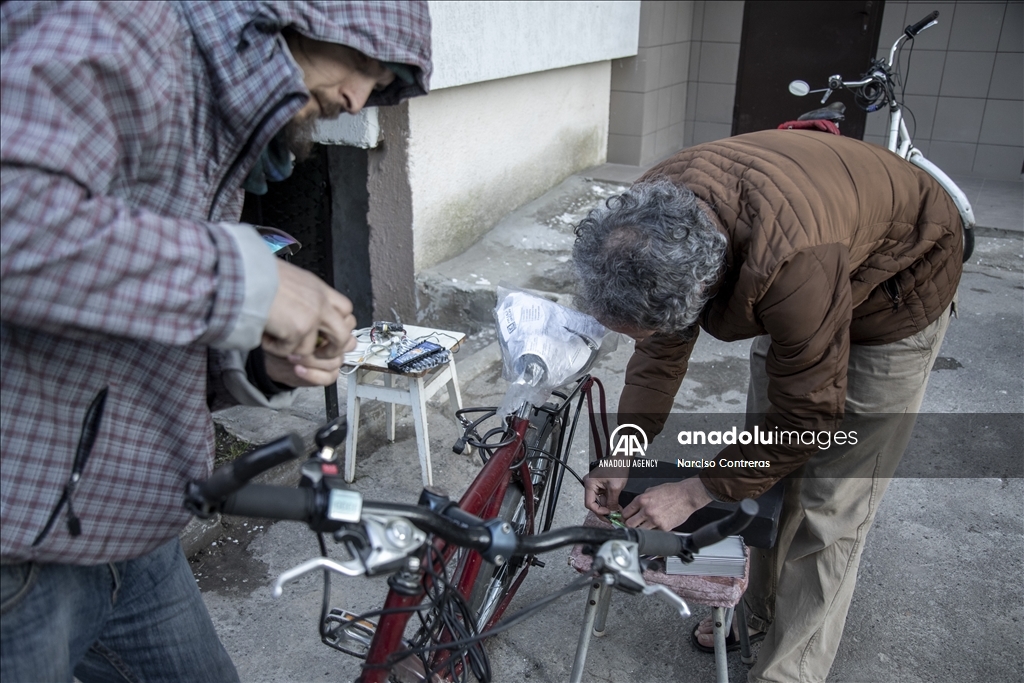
<point>519,101</point>
<point>679,88</point>
<point>474,42</point>
<point>965,86</point>
<point>484,41</point>
<point>478,151</point>
<point>389,218</point>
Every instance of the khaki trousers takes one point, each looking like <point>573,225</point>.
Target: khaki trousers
<point>800,590</point>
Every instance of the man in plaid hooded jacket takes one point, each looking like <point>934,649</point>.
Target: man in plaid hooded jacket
<point>133,299</point>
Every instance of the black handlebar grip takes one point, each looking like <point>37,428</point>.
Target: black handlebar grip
<point>729,526</point>
<point>914,29</point>
<point>273,502</point>
<point>236,474</point>
<point>457,514</point>
<point>660,543</point>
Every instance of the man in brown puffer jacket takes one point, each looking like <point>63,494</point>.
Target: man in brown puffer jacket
<point>842,261</point>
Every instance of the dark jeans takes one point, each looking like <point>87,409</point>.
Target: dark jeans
<point>137,620</point>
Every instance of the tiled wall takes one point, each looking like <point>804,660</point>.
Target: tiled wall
<point>679,88</point>
<point>714,61</point>
<point>649,91</point>
<point>965,85</point>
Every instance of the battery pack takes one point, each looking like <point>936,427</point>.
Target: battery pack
<point>415,356</point>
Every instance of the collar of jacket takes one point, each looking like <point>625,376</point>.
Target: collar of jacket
<point>256,86</point>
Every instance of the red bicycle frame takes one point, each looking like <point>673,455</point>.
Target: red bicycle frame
<point>483,498</point>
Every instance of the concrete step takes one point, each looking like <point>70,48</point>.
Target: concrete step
<point>531,248</point>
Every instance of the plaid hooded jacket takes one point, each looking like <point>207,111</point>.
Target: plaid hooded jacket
<point>127,131</point>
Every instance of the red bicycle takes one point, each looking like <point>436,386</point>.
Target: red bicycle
<point>455,567</point>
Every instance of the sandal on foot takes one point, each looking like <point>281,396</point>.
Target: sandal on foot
<point>732,641</point>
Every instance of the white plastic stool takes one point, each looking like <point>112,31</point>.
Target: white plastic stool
<point>409,389</point>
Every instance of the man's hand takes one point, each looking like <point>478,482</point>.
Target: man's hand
<point>302,371</point>
<point>666,506</point>
<point>307,318</point>
<point>602,487</point>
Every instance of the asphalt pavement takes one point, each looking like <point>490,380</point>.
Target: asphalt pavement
<point>939,595</point>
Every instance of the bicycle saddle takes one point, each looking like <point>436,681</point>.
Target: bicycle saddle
<point>833,112</point>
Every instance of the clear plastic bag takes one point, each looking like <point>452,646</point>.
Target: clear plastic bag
<point>544,345</point>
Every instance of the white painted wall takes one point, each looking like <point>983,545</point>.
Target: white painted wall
<point>482,41</point>
<point>478,151</point>
<point>360,130</point>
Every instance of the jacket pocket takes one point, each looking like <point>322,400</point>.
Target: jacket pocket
<point>893,292</point>
<point>90,427</point>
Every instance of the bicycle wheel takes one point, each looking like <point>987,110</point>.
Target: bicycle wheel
<point>494,582</point>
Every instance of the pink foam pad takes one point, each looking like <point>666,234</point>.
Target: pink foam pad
<point>715,591</point>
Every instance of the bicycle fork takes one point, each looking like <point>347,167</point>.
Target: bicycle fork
<point>405,594</point>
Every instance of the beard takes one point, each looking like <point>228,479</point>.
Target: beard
<point>298,137</point>
<point>298,133</point>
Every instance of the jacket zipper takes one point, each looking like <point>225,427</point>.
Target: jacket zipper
<point>246,148</point>
<point>90,427</point>
<point>892,289</point>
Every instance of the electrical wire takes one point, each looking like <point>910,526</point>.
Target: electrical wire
<point>543,454</point>
<point>900,79</point>
<point>447,614</point>
<point>325,605</point>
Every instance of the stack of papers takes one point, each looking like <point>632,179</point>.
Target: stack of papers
<point>725,558</point>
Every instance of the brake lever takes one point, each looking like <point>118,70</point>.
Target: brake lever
<point>673,600</point>
<point>389,541</point>
<point>622,559</point>
<point>835,82</point>
<point>347,568</point>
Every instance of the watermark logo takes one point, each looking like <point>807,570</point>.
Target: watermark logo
<point>628,441</point>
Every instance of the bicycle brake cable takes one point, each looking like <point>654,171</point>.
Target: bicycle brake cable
<point>325,605</point>
<point>519,616</point>
<point>447,612</point>
<point>538,453</point>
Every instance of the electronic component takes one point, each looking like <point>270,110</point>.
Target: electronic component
<point>384,331</point>
<point>412,356</point>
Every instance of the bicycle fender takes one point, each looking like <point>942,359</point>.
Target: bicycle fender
<point>963,204</point>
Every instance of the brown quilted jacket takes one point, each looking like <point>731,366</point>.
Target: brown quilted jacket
<point>832,242</point>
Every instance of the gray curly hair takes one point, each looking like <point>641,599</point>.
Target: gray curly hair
<point>648,259</point>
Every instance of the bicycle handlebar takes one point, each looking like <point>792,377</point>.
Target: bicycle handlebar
<point>876,75</point>
<point>714,532</point>
<point>236,474</point>
<point>305,505</point>
<point>914,29</point>
<point>273,502</point>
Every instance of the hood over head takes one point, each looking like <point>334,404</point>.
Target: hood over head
<point>257,85</point>
<point>392,32</point>
<point>242,40</point>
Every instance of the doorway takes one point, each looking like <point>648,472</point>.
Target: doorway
<point>783,41</point>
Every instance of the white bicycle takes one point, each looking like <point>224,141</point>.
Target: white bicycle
<point>878,88</point>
